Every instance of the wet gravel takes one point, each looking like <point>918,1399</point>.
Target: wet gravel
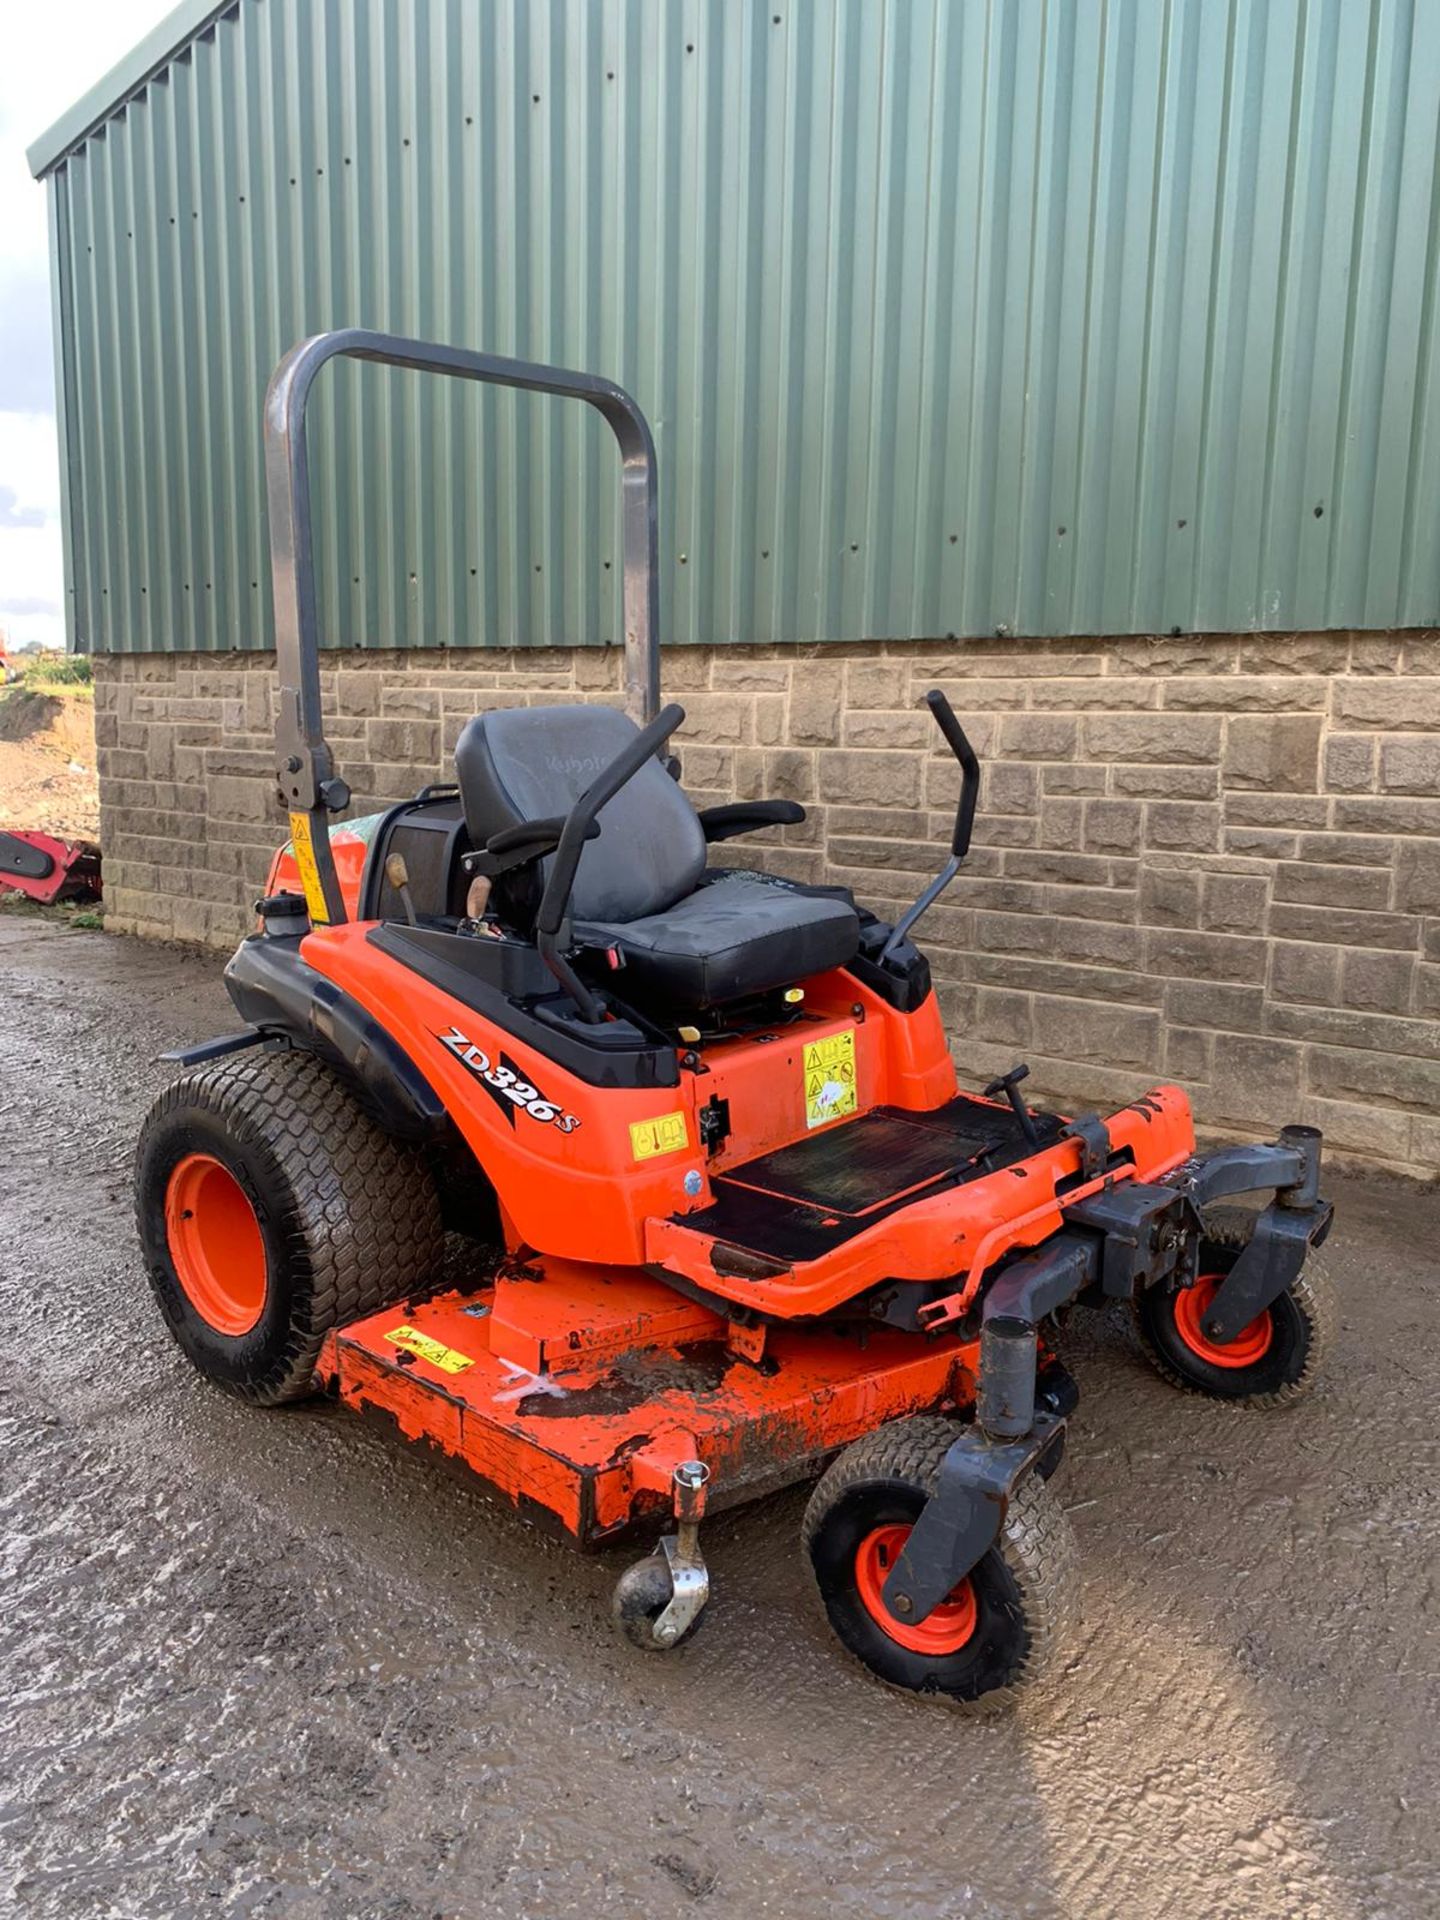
<point>271,1664</point>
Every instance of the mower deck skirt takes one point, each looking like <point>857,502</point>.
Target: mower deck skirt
<point>575,1391</point>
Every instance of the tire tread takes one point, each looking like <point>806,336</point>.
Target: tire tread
<point>1313,1293</point>
<point>365,1215</point>
<point>1036,1542</point>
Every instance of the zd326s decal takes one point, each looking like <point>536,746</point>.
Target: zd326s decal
<point>503,1082</point>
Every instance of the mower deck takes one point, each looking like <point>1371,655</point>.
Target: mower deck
<point>577,1390</point>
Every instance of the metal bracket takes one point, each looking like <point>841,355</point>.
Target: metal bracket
<point>690,1589</point>
<point>689,1575</point>
<point>1144,1231</point>
<point>1094,1137</point>
<point>961,1520</point>
<point>1268,1267</point>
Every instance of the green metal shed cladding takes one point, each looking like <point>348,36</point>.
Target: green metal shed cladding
<point>1054,316</point>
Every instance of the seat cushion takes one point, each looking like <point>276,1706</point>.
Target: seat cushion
<point>736,936</point>
<point>532,763</point>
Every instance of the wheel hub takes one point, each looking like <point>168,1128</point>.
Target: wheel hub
<point>1249,1346</point>
<point>216,1244</point>
<point>946,1629</point>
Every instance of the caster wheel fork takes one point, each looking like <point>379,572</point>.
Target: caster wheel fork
<point>658,1601</point>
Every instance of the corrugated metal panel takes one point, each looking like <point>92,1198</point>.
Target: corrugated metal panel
<point>1056,316</point>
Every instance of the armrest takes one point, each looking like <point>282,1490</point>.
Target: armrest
<point>514,846</point>
<point>748,816</point>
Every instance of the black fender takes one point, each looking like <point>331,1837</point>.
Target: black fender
<point>281,997</point>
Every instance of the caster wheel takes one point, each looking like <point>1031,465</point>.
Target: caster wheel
<point>1009,1622</point>
<point>1270,1363</point>
<point>642,1593</point>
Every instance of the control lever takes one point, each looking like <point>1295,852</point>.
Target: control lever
<point>1009,1085</point>
<point>964,818</point>
<point>398,874</point>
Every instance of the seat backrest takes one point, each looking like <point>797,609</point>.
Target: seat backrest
<point>529,763</point>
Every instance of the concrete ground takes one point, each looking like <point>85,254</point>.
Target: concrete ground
<point>270,1664</point>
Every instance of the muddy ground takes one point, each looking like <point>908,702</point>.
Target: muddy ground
<point>269,1664</point>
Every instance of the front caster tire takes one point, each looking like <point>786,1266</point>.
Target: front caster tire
<point>1272,1362</point>
<point>642,1593</point>
<point>1009,1623</point>
<point>271,1210</point>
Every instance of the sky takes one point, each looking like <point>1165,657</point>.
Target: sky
<point>51,52</point>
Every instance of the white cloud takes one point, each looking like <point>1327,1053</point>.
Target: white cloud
<point>40,76</point>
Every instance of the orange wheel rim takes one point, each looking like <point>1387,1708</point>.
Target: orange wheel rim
<point>1252,1343</point>
<point>215,1244</point>
<point>946,1630</point>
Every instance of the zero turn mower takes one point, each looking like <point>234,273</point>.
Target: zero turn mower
<point>749,1229</point>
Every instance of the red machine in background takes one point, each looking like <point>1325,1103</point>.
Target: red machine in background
<point>46,869</point>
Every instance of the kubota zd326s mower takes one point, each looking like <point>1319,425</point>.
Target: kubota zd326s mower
<point>748,1229</point>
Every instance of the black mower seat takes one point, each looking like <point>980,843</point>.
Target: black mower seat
<point>735,936</point>
<point>641,887</point>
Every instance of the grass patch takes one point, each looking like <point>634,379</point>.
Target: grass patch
<point>74,670</point>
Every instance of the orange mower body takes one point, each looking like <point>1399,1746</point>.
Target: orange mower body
<point>634,1183</point>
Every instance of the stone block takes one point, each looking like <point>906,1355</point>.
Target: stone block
<point>1205,956</point>
<point>413,741</point>
<point>814,714</point>
<point>1174,739</point>
<point>1257,1081</point>
<point>1272,751</point>
<point>1328,886</point>
<point>1182,826</point>
<point>1348,765</point>
<point>1061,776</point>
<point>1380,1079</point>
<point>886,779</point>
<point>1098,1031</point>
<point>1411,704</point>
<point>722,718</point>
<point>1038,736</point>
<point>874,728</point>
<point>1234,902</point>
<point>1248,693</point>
<point>1215,1006</point>
<point>1377,982</point>
<point>1303,971</point>
<point>1112,826</point>
<point>1417,876</point>
<point>1169,897</point>
<point>1062,824</point>
<point>1003,1017</point>
<point>1188,1055</point>
<point>1142,782</point>
<point>1410,766</point>
<point>1009,789</point>
<point>1340,926</point>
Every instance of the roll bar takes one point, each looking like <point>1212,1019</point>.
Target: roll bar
<point>304,766</point>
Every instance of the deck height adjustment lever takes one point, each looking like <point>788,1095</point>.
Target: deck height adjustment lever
<point>1009,1085</point>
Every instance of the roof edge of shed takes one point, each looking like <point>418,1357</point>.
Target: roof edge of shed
<point>147,59</point>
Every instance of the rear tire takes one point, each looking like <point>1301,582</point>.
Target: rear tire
<point>1273,1362</point>
<point>1007,1625</point>
<point>271,1210</point>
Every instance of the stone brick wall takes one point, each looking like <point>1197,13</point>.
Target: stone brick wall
<point>1212,859</point>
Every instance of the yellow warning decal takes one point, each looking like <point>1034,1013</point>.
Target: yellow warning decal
<point>650,1138</point>
<point>830,1089</point>
<point>446,1358</point>
<point>304,848</point>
